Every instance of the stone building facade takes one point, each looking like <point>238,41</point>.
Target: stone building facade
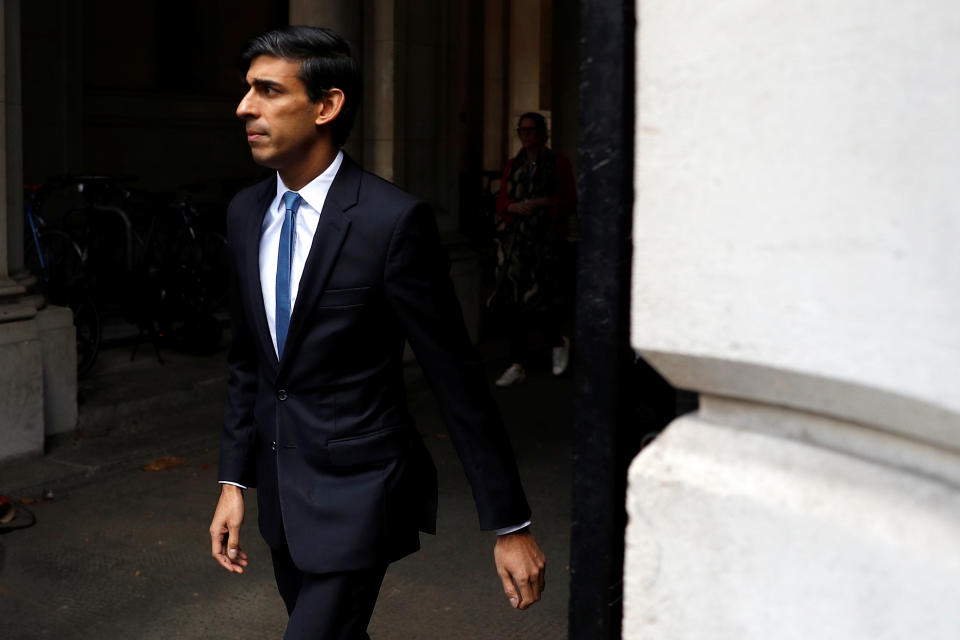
<point>795,264</point>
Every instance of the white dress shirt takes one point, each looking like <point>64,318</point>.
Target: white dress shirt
<point>312,195</point>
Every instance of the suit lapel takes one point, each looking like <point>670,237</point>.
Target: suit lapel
<point>264,195</point>
<point>331,231</point>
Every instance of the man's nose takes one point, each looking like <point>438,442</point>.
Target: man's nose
<point>245,109</point>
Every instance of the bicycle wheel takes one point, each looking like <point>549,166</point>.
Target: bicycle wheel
<point>61,267</point>
<point>86,320</point>
<point>194,274</point>
<point>61,274</point>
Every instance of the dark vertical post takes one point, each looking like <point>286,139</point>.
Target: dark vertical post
<point>468,75</point>
<point>604,358</point>
<point>13,135</point>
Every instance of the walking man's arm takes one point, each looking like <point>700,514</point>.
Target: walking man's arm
<point>236,445</point>
<point>423,299</point>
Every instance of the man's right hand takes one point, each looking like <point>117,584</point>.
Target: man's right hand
<point>225,530</point>
<point>521,566</point>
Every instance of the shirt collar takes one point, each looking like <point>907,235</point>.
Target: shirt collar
<point>314,193</point>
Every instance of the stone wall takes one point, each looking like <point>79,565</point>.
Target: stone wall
<point>794,263</point>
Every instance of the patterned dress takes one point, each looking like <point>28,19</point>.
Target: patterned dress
<point>528,247</point>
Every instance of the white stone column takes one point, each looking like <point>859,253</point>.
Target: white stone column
<point>517,72</point>
<point>5,283</point>
<point>796,263</point>
<point>496,43</point>
<point>21,371</point>
<point>11,167</point>
<point>12,306</point>
<point>13,139</point>
<point>524,66</point>
<point>379,74</point>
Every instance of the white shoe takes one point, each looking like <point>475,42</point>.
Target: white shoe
<point>561,357</point>
<point>515,373</point>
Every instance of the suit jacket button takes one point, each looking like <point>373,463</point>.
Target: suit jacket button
<point>273,446</point>
<point>282,394</point>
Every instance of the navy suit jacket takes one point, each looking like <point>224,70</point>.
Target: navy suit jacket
<point>343,477</point>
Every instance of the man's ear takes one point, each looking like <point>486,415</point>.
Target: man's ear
<point>329,106</point>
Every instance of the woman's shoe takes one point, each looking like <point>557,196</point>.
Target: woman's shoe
<point>561,357</point>
<point>515,373</point>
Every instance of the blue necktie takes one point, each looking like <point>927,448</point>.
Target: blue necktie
<point>291,201</point>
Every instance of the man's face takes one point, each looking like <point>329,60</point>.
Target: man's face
<point>280,119</point>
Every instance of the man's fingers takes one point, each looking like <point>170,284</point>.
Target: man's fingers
<point>522,589</point>
<point>216,542</point>
<point>529,591</point>
<point>225,528</point>
<point>220,556</point>
<point>241,559</point>
<point>520,564</point>
<point>509,588</point>
<point>216,547</point>
<point>218,551</point>
<point>233,541</point>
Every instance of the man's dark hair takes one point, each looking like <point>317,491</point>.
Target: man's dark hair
<point>325,63</point>
<point>538,120</point>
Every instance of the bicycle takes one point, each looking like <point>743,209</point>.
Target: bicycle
<point>190,262</point>
<point>59,263</point>
<point>153,262</point>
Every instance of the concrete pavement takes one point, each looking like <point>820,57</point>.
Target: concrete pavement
<point>123,553</point>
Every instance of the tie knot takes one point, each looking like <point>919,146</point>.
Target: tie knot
<point>291,200</point>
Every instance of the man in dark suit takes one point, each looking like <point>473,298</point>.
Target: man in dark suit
<point>333,269</point>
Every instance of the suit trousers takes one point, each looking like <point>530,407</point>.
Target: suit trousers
<point>326,606</point>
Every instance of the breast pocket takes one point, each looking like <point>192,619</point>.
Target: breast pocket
<point>344,298</point>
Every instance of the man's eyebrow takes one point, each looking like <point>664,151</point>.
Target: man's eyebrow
<point>263,83</point>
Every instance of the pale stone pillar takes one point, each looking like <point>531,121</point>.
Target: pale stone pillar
<point>11,167</point>
<point>7,10</point>
<point>13,132</point>
<point>343,16</point>
<point>21,389</point>
<point>795,263</point>
<point>517,71</point>
<point>524,66</point>
<point>58,343</point>
<point>38,358</point>
<point>496,44</point>
<point>21,374</point>
<point>379,89</point>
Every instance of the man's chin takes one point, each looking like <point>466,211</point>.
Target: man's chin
<point>263,158</point>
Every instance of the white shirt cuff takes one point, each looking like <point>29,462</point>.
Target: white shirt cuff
<point>236,484</point>
<point>505,530</point>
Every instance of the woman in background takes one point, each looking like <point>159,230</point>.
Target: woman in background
<point>537,197</point>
